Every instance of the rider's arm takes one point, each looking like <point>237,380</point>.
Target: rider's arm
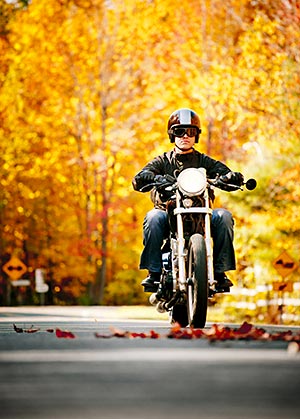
<point>147,175</point>
<point>216,168</point>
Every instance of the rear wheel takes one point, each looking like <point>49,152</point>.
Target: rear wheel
<point>197,286</point>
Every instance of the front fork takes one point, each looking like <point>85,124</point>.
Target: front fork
<point>208,242</point>
<point>181,252</point>
<point>178,247</point>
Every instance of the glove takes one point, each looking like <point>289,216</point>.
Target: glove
<point>160,179</point>
<point>147,176</point>
<point>143,181</point>
<point>164,192</point>
<point>235,178</point>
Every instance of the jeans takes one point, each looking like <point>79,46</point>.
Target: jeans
<point>156,229</point>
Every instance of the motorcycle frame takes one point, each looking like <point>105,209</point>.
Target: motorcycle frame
<point>179,266</point>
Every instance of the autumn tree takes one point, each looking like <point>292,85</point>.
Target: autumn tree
<point>86,89</point>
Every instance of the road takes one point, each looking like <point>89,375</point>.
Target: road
<point>43,376</point>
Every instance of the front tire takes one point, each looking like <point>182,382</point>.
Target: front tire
<point>179,315</point>
<point>197,286</point>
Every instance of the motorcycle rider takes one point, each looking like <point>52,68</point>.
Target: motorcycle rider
<point>184,129</point>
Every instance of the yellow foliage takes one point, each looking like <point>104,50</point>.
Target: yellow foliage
<point>86,88</point>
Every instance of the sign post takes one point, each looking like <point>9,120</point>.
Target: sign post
<point>284,265</point>
<point>40,286</point>
<point>14,269</point>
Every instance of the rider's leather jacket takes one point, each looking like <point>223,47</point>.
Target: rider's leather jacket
<point>173,163</point>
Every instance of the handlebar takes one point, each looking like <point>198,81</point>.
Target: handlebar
<point>250,184</point>
<point>166,181</point>
<point>169,182</point>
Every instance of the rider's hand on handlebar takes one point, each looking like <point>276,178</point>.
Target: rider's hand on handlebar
<point>160,179</point>
<point>146,180</point>
<point>230,182</point>
<point>164,186</point>
<point>234,178</point>
<point>148,176</point>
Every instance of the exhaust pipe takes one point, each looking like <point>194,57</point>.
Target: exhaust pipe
<point>163,306</point>
<point>160,305</point>
<point>153,299</point>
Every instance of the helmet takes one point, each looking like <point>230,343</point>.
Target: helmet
<point>186,118</point>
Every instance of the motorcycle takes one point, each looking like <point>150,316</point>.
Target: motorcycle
<point>187,280</point>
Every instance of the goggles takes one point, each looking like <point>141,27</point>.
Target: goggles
<point>181,131</point>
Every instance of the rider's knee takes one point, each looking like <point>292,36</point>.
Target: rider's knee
<point>156,216</point>
<point>223,216</point>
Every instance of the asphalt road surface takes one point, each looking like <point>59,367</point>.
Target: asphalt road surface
<point>42,376</point>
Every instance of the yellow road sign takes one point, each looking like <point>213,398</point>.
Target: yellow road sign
<point>283,286</point>
<point>14,268</point>
<point>284,264</point>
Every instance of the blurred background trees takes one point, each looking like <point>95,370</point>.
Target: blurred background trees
<point>86,89</point>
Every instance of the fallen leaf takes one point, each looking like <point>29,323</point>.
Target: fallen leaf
<point>244,328</point>
<point>219,332</point>
<point>31,330</point>
<point>154,335</point>
<point>18,329</point>
<point>180,333</point>
<point>138,335</point>
<point>99,335</point>
<point>64,334</point>
<point>117,333</point>
<point>197,333</point>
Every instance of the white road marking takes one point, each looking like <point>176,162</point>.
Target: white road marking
<point>214,355</point>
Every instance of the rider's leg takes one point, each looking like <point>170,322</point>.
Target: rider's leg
<point>155,230</point>
<point>222,225</point>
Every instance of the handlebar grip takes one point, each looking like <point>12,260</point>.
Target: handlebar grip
<point>251,184</point>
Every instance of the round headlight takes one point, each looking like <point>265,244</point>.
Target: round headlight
<point>192,181</point>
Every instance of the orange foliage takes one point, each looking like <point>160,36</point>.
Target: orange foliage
<point>86,87</point>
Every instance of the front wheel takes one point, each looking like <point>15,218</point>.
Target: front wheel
<point>197,286</point>
<point>179,315</point>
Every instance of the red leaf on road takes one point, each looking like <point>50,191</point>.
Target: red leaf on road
<point>31,330</point>
<point>64,334</point>
<point>244,329</point>
<point>180,333</point>
<point>286,335</point>
<point>99,335</point>
<point>197,333</point>
<point>138,335</point>
<point>21,330</point>
<point>219,332</point>
<point>154,335</point>
<point>119,333</point>
<point>151,335</point>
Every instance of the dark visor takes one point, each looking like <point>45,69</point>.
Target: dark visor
<point>181,131</point>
